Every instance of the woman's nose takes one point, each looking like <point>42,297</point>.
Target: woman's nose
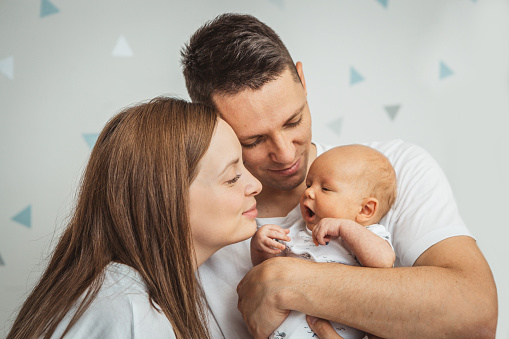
<point>253,186</point>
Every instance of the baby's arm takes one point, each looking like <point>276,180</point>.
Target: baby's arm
<point>263,243</point>
<point>369,249</point>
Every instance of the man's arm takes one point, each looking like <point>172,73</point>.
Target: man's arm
<point>449,293</point>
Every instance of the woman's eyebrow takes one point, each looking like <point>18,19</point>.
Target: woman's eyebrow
<point>232,162</point>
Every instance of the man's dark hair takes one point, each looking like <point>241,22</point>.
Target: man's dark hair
<point>232,53</point>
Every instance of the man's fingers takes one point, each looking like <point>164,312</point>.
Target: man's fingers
<point>322,328</point>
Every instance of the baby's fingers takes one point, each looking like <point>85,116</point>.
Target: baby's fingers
<point>280,234</point>
<point>272,246</point>
<point>275,232</point>
<point>320,236</point>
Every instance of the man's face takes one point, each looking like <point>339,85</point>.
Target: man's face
<point>273,125</point>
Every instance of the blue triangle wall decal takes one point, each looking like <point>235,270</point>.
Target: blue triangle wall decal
<point>335,125</point>
<point>445,71</point>
<point>24,217</point>
<point>392,110</point>
<point>90,139</point>
<point>355,77</point>
<point>47,8</point>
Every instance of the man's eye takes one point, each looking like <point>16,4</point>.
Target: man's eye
<point>294,124</point>
<point>234,180</point>
<point>253,144</point>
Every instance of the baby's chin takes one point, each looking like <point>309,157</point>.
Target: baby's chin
<point>310,226</point>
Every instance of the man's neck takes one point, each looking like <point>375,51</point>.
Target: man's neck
<point>273,203</point>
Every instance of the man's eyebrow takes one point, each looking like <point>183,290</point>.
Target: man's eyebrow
<point>232,162</point>
<point>294,115</point>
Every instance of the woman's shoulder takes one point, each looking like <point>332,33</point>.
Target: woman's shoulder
<point>122,309</point>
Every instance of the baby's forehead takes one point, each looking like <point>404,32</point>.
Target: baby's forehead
<point>347,161</point>
<point>341,157</point>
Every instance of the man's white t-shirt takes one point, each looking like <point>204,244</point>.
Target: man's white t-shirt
<point>424,214</point>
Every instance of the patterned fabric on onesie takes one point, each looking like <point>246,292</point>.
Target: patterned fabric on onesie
<point>301,246</point>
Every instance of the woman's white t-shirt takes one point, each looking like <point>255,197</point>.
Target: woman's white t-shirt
<point>122,309</point>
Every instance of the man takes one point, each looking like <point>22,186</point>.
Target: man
<point>442,285</point>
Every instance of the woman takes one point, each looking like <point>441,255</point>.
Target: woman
<point>165,187</point>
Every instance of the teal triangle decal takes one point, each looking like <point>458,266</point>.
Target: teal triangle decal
<point>279,3</point>
<point>335,125</point>
<point>90,139</point>
<point>24,217</point>
<point>47,8</point>
<point>1,261</point>
<point>122,48</point>
<point>384,2</point>
<point>355,77</point>
<point>392,110</point>
<point>445,71</point>
<point>7,67</point>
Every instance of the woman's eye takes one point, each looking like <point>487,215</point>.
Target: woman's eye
<point>234,180</point>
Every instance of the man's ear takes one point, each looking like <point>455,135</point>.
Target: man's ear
<point>300,72</point>
<point>368,210</point>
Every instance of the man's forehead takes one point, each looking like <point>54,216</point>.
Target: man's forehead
<point>254,111</point>
<point>249,121</point>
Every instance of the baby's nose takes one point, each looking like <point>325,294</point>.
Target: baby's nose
<point>309,193</point>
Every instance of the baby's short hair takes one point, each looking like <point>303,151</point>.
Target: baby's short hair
<point>373,172</point>
<point>384,184</point>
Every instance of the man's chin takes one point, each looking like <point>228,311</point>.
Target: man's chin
<point>284,183</point>
<point>283,186</point>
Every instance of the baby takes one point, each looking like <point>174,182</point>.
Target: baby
<point>349,189</point>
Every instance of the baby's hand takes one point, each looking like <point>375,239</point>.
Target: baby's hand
<point>265,239</point>
<point>328,228</point>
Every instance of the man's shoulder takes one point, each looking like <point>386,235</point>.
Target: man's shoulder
<point>391,149</point>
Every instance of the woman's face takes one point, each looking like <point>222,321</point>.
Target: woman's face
<point>222,203</point>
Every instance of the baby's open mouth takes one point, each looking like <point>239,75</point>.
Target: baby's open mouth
<point>309,212</point>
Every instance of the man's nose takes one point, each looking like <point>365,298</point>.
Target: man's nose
<point>283,149</point>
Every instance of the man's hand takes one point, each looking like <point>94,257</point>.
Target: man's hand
<point>262,295</point>
<point>322,328</point>
<point>450,287</point>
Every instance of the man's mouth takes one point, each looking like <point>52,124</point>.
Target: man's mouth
<point>288,171</point>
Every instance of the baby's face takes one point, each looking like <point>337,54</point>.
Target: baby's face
<point>331,193</point>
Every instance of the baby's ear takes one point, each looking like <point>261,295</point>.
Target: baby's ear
<point>368,210</point>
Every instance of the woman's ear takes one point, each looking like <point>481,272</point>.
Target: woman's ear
<point>300,72</point>
<point>368,210</point>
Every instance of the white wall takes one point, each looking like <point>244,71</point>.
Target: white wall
<point>60,80</point>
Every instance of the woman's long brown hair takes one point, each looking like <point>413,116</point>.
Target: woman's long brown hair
<point>132,208</point>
